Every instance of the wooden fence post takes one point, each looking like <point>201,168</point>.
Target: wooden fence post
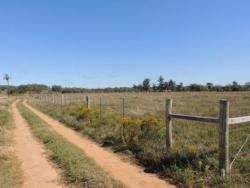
<point>53,98</point>
<point>58,99</point>
<point>62,99</point>
<point>123,108</point>
<point>224,138</point>
<point>87,102</point>
<point>100,107</point>
<point>168,120</point>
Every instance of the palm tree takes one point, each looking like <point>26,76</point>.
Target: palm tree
<point>7,78</point>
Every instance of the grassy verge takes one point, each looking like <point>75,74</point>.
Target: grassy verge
<point>194,158</point>
<point>78,169</point>
<point>10,170</point>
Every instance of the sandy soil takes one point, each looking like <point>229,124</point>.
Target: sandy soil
<point>129,174</point>
<point>38,172</point>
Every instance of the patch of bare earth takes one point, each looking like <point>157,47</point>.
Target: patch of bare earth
<point>37,170</point>
<point>130,175</point>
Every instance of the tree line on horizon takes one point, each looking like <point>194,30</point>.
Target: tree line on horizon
<point>146,86</point>
<point>171,85</point>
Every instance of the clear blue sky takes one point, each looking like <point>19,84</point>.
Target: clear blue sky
<point>100,43</point>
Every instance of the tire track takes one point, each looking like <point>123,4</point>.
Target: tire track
<point>129,174</point>
<point>37,170</point>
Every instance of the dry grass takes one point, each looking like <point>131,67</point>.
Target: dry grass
<point>193,160</point>
<point>198,103</point>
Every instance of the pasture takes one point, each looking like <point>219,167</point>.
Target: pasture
<point>133,124</point>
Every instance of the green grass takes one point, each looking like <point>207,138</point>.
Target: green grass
<point>194,158</point>
<point>78,169</point>
<point>10,169</point>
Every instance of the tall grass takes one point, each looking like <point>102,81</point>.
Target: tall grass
<point>141,134</point>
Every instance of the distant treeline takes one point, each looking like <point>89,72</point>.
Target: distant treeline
<point>171,85</point>
<point>39,88</point>
<point>145,86</point>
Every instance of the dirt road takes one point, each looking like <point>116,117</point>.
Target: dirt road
<point>129,174</point>
<point>38,172</point>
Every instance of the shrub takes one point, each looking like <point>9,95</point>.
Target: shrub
<point>131,131</point>
<point>149,125</point>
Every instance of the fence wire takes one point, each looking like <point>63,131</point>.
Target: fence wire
<point>190,137</point>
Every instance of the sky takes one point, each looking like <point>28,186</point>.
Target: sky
<point>107,43</point>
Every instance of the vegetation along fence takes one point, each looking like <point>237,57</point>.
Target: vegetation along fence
<point>223,121</point>
<point>64,99</point>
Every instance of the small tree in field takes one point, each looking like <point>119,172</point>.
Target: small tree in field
<point>161,84</point>
<point>146,85</point>
<point>7,78</point>
<point>171,85</point>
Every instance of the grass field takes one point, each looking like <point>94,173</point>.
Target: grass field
<point>79,170</point>
<point>141,134</point>
<point>10,170</point>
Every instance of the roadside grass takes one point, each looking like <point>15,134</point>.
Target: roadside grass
<point>78,170</point>
<point>193,162</point>
<point>10,167</point>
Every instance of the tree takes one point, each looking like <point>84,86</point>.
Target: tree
<point>197,87</point>
<point>180,87</point>
<point>7,78</point>
<point>146,84</point>
<point>247,86</point>
<point>218,88</point>
<point>161,84</point>
<point>56,88</point>
<point>210,86</point>
<point>137,87</point>
<point>171,85</point>
<point>236,86</point>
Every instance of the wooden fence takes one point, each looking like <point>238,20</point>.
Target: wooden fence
<point>223,122</point>
<point>64,99</point>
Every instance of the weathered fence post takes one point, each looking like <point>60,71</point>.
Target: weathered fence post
<point>100,107</point>
<point>123,107</point>
<point>58,99</point>
<point>168,120</point>
<point>88,102</point>
<point>53,98</point>
<point>224,138</point>
<point>62,99</point>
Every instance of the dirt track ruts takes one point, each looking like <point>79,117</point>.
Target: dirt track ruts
<point>37,171</point>
<point>130,175</point>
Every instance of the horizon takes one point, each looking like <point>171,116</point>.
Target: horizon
<point>96,44</point>
<point>151,84</point>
